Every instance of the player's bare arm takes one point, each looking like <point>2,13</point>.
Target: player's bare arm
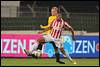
<point>68,27</point>
<point>72,31</point>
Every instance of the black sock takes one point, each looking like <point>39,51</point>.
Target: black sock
<point>56,53</point>
<point>57,56</point>
<point>40,46</point>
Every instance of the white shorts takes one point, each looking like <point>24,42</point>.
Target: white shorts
<point>58,42</point>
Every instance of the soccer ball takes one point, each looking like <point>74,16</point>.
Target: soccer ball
<point>37,53</point>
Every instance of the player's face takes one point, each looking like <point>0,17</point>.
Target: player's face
<point>54,12</point>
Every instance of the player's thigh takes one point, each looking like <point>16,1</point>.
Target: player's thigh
<point>59,43</point>
<point>47,38</point>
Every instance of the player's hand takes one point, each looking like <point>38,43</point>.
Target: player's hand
<point>41,26</point>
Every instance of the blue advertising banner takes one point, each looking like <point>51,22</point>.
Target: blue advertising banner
<point>84,46</point>
<point>13,45</point>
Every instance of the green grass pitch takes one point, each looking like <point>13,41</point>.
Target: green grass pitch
<point>47,62</point>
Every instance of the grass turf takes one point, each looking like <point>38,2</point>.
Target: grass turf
<point>46,62</point>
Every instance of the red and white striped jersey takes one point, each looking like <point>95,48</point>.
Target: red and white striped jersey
<point>57,27</point>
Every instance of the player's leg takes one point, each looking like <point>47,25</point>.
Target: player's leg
<point>56,53</point>
<point>29,52</point>
<point>67,55</point>
<point>59,44</point>
<point>46,38</point>
<point>34,47</point>
<point>40,41</point>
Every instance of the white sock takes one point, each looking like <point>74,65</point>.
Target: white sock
<point>33,47</point>
<point>67,55</point>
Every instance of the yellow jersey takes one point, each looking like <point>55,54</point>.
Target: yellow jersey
<point>50,20</point>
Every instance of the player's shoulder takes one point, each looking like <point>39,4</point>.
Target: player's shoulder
<point>52,17</point>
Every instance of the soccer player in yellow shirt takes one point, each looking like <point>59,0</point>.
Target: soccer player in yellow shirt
<point>50,19</point>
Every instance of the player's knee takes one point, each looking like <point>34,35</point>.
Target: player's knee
<point>62,49</point>
<point>56,50</point>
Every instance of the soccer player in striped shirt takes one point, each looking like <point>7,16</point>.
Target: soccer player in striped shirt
<point>56,28</point>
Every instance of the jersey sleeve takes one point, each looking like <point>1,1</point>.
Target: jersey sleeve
<point>50,20</point>
<point>46,25</point>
